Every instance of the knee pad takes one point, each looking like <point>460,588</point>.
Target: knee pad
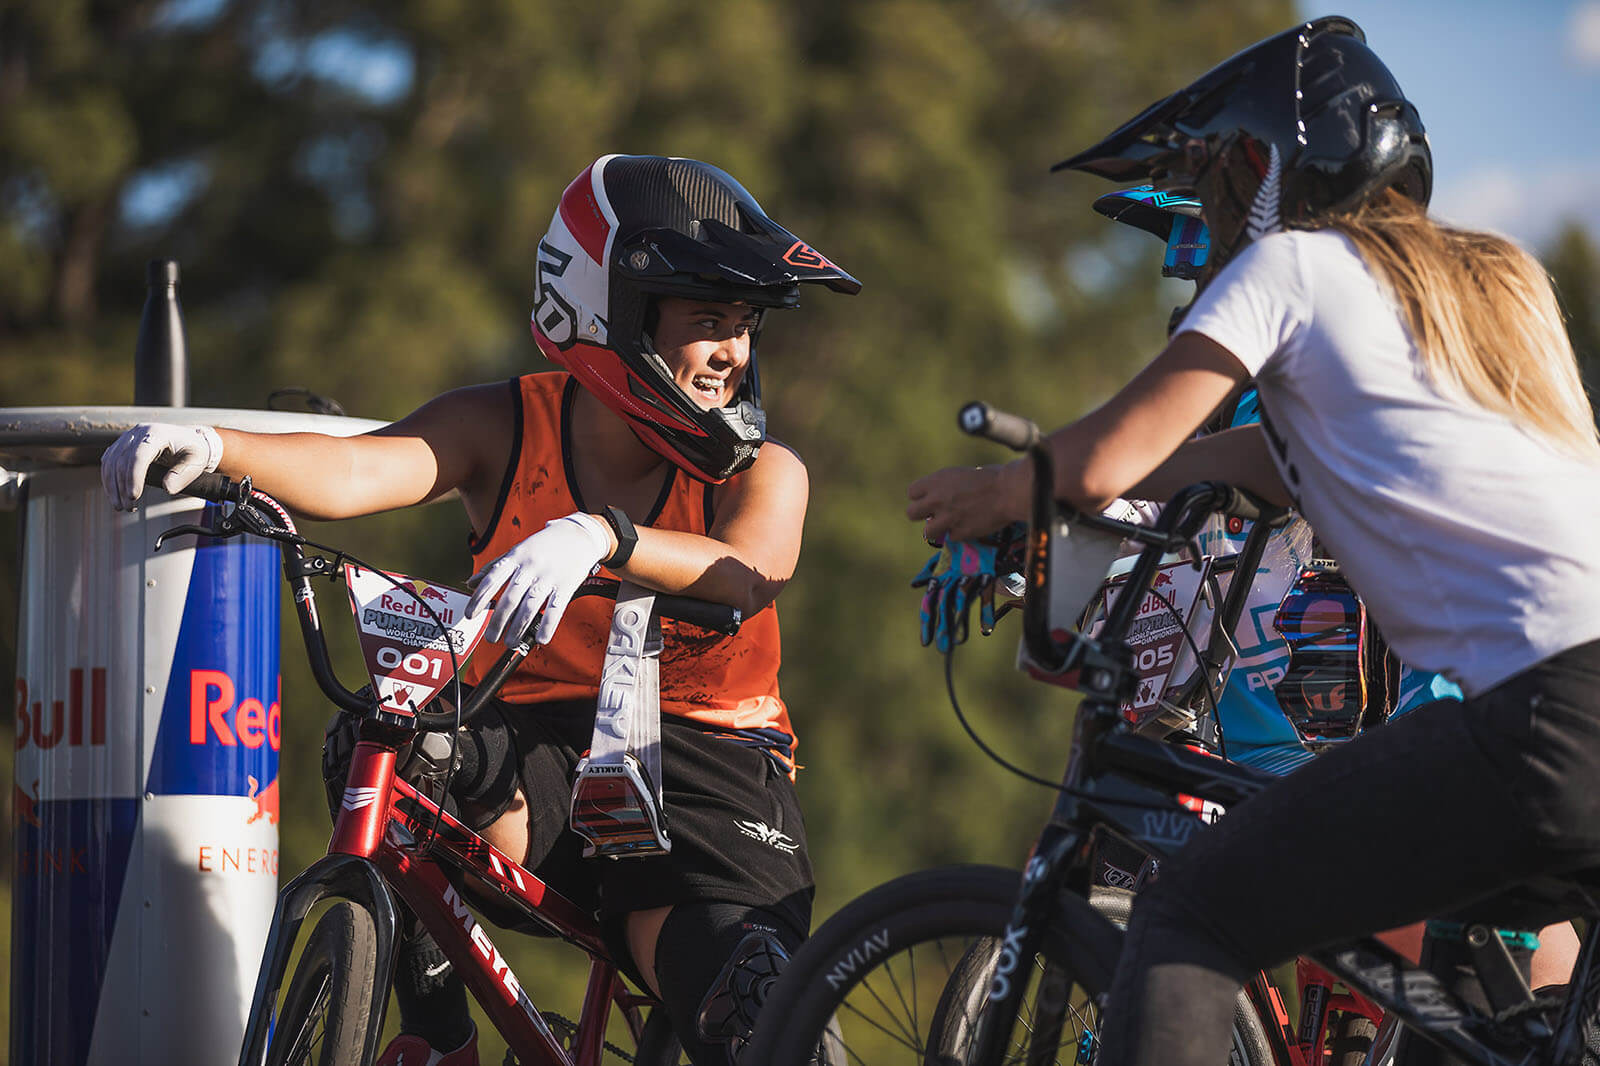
<point>716,964</point>
<point>728,1011</point>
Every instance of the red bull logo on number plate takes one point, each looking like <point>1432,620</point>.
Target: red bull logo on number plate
<point>409,632</point>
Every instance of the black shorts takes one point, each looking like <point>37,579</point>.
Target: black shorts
<point>732,815</point>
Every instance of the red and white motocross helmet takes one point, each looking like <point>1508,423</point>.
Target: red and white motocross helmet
<point>631,228</point>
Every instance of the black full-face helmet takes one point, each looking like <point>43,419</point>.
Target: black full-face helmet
<point>1293,128</point>
<point>633,228</point>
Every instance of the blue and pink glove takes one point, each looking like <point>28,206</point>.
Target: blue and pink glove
<point>961,571</point>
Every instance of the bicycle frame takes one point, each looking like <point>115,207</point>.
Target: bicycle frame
<point>391,842</point>
<point>375,850</point>
<point>1120,784</point>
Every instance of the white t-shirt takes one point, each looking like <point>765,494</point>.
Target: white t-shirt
<point>1475,544</point>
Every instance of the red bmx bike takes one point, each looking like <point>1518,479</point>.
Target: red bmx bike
<point>395,850</point>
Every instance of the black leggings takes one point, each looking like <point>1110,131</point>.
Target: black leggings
<point>1430,814</point>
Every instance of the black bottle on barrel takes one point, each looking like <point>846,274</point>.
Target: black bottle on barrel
<point>161,357</point>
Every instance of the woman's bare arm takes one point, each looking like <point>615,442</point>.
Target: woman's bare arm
<point>750,552</point>
<point>1238,456</point>
<point>454,441</point>
<point>1099,457</point>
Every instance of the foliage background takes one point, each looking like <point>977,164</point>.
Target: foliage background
<point>355,190</point>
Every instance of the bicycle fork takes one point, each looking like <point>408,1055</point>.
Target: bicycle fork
<point>1043,880</point>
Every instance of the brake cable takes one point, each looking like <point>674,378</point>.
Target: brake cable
<point>288,532</point>
<point>955,704</point>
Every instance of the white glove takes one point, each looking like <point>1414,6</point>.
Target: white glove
<point>543,571</point>
<point>189,450</point>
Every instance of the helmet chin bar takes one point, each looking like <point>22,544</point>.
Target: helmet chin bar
<point>749,390</point>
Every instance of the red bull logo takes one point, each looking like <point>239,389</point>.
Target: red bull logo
<point>400,603</point>
<point>44,724</point>
<point>1162,578</point>
<point>25,807</point>
<point>266,801</point>
<point>213,714</point>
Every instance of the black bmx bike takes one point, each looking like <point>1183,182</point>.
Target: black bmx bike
<point>982,965</point>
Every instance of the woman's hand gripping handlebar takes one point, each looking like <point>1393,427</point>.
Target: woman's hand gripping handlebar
<point>1180,520</point>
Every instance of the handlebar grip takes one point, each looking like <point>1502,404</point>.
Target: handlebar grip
<point>216,488</point>
<point>1240,504</point>
<point>1015,432</point>
<point>1252,508</point>
<point>716,617</point>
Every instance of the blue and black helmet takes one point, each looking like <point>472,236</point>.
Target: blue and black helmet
<point>1171,216</point>
<point>1297,127</point>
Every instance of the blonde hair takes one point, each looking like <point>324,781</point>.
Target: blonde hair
<point>1483,315</point>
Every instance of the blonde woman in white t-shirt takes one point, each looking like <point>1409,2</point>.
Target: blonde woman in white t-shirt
<point>1423,409</point>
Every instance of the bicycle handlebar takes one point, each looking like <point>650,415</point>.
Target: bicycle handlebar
<point>213,487</point>
<point>1180,520</point>
<point>980,420</point>
<point>298,570</point>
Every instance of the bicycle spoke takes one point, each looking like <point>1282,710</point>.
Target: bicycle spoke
<point>910,1009</point>
<point>907,1036</point>
<point>912,1044</point>
<point>923,995</point>
<point>307,1040</point>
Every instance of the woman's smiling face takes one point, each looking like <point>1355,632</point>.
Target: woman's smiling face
<point>706,345</point>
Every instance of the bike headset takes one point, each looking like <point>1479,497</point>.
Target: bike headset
<point>630,229</point>
<point>1296,127</point>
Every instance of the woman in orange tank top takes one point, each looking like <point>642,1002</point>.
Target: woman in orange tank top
<point>644,459</point>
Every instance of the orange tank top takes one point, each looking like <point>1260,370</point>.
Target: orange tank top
<point>725,683</point>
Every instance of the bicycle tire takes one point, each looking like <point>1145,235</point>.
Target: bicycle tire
<point>332,985</point>
<point>862,966</point>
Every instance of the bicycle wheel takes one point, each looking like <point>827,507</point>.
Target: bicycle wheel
<point>884,966</point>
<point>906,968</point>
<point>323,1021</point>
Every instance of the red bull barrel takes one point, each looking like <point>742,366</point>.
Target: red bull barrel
<point>149,721</point>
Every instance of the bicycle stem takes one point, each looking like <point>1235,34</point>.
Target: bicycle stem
<point>297,571</point>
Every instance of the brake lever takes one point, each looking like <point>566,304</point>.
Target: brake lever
<point>242,518</point>
<point>187,530</point>
<point>245,518</point>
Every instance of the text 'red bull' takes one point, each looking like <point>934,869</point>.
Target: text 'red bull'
<point>64,722</point>
<point>212,713</point>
